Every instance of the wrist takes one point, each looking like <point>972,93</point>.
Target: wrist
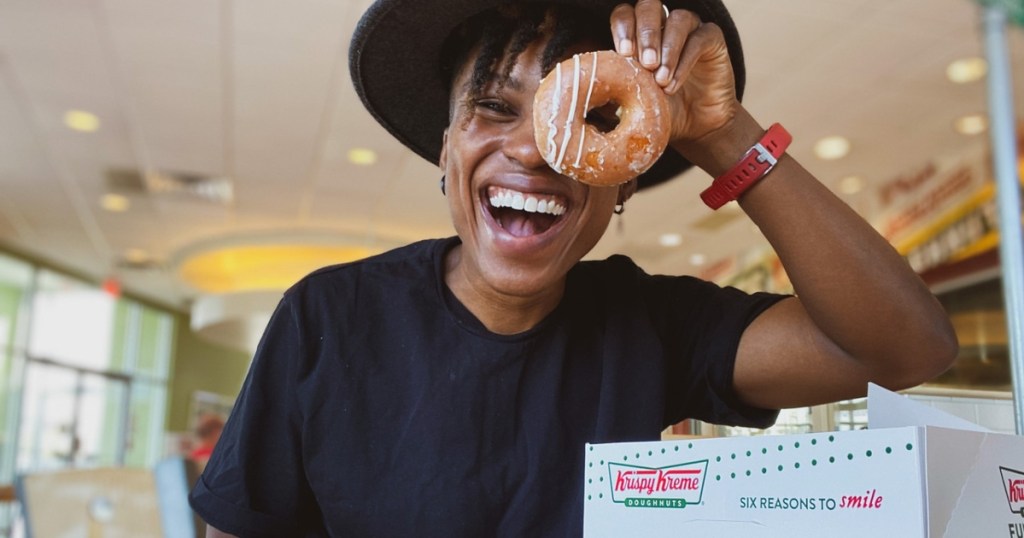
<point>717,151</point>
<point>757,163</point>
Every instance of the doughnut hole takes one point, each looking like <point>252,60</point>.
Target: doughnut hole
<point>605,118</point>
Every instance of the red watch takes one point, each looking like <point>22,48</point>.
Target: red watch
<point>755,164</point>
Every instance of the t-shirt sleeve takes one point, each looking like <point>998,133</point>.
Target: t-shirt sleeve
<point>700,324</point>
<point>254,484</point>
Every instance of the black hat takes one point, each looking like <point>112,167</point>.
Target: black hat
<point>395,55</point>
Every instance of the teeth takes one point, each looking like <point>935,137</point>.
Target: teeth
<point>518,202</point>
<point>525,202</point>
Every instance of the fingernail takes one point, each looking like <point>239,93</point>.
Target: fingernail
<point>626,47</point>
<point>650,57</point>
<point>662,75</point>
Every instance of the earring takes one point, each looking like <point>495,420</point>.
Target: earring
<point>620,208</point>
<point>442,186</point>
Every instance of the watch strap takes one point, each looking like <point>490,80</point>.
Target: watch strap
<point>755,164</point>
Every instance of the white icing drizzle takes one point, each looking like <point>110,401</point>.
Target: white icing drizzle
<point>551,147</point>
<point>586,108</point>
<point>571,113</point>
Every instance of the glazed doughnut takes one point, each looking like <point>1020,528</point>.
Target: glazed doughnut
<point>577,149</point>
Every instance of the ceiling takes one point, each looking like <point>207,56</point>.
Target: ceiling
<point>257,93</point>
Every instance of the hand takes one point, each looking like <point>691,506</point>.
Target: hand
<point>689,60</point>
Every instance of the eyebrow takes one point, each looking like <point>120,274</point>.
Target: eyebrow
<point>511,83</point>
<point>514,84</point>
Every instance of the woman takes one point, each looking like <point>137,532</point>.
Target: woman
<point>447,388</point>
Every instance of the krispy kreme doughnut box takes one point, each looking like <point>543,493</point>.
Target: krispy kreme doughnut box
<point>909,481</point>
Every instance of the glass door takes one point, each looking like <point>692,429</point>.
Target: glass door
<point>71,417</point>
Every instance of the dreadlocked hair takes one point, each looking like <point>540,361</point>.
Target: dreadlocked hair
<point>501,34</point>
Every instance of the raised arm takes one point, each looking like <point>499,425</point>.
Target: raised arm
<point>860,313</point>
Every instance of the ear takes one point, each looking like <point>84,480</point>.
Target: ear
<point>626,191</point>
<point>443,159</point>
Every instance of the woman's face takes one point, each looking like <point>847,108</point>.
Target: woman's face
<point>496,175</point>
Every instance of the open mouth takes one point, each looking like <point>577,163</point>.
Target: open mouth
<point>524,214</point>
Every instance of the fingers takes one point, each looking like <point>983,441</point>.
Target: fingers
<point>679,28</point>
<point>623,22</point>
<point>637,31</point>
<point>655,36</point>
<point>649,19</point>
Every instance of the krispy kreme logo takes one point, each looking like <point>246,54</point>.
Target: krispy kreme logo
<point>1013,483</point>
<point>672,486</point>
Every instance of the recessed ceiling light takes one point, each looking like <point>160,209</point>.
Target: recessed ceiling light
<point>80,120</point>
<point>362,156</point>
<point>967,70</point>
<point>115,203</point>
<point>670,240</point>
<point>136,255</point>
<point>971,125</point>
<point>832,147</point>
<point>698,259</point>
<point>851,184</point>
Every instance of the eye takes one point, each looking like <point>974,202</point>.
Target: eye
<point>495,107</point>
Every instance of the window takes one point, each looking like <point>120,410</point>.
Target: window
<point>95,382</point>
<point>979,318</point>
<point>83,376</point>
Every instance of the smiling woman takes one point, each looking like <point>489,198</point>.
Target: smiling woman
<point>448,387</point>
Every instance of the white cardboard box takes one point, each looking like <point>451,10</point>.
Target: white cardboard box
<point>906,482</point>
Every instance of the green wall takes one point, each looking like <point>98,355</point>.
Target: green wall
<point>200,366</point>
<point>10,300</point>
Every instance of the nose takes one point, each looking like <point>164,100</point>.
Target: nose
<point>521,146</point>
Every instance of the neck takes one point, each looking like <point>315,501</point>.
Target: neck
<point>499,311</point>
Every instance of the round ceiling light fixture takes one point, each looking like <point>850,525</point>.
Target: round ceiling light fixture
<point>81,121</point>
<point>669,240</point>
<point>832,147</point>
<point>967,70</point>
<point>115,203</point>
<point>238,268</point>
<point>973,124</point>
<point>268,260</point>
<point>362,156</point>
<point>851,184</point>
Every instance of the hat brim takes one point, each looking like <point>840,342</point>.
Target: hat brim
<point>395,55</point>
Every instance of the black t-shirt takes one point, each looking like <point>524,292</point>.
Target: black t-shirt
<point>378,405</point>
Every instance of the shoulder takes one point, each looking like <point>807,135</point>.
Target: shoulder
<point>414,263</point>
<point>367,289</point>
<point>615,267</point>
<point>619,272</point>
<point>619,281</point>
<point>416,256</point>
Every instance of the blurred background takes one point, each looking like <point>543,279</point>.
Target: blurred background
<point>167,169</point>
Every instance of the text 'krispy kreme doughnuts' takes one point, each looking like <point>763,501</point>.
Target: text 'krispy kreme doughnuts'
<point>567,136</point>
